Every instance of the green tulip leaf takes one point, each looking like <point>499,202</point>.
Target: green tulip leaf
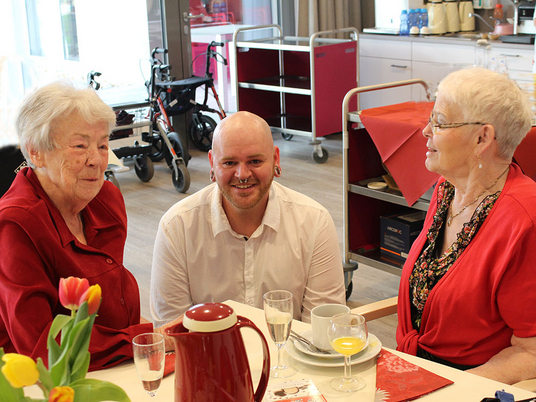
<point>79,370</point>
<point>54,350</point>
<point>91,390</point>
<point>44,375</point>
<point>61,370</point>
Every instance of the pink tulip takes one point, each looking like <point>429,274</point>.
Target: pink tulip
<point>72,292</point>
<point>93,298</point>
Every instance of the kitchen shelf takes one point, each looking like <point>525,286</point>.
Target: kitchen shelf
<point>389,195</point>
<point>286,80</point>
<point>283,83</point>
<point>375,259</point>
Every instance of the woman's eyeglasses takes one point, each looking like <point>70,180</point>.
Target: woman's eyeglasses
<point>435,126</point>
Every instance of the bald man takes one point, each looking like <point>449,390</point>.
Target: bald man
<point>245,234</point>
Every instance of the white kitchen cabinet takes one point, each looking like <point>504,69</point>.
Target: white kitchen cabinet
<point>433,61</point>
<point>518,63</point>
<point>382,61</point>
<point>395,59</point>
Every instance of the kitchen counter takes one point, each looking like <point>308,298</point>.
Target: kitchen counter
<point>391,58</point>
<point>467,39</point>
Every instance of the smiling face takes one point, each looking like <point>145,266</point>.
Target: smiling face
<point>243,159</point>
<point>72,173</point>
<point>450,151</point>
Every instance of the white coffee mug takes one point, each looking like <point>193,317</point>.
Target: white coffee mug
<point>320,316</point>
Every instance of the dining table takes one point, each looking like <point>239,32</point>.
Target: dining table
<point>465,386</point>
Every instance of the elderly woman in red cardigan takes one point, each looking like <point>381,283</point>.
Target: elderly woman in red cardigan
<point>468,288</point>
<point>59,219</point>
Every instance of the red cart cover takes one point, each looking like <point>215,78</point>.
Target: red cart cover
<point>397,133</point>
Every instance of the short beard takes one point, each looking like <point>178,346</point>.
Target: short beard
<point>263,191</point>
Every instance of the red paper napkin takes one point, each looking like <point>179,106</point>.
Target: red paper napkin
<point>169,365</point>
<point>399,380</point>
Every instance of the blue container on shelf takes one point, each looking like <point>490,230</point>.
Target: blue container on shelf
<point>404,23</point>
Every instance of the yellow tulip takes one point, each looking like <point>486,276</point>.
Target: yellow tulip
<point>61,394</point>
<point>19,370</point>
<point>93,298</point>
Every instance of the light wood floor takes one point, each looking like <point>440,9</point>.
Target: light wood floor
<point>147,202</point>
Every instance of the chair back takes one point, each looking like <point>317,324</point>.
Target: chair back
<point>11,161</point>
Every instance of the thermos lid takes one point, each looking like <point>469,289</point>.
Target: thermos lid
<point>209,317</point>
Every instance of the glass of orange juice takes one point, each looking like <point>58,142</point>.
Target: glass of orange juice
<point>348,335</point>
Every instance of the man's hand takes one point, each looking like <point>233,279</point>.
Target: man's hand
<point>162,330</point>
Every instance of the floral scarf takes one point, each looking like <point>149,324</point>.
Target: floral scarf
<point>430,267</point>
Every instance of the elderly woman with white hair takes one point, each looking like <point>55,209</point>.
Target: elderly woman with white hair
<point>468,289</point>
<point>59,219</point>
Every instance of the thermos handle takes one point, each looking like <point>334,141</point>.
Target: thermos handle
<point>263,382</point>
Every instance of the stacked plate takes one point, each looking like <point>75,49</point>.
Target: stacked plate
<point>303,354</point>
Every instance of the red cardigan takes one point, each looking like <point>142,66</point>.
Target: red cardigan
<point>37,249</point>
<point>489,293</point>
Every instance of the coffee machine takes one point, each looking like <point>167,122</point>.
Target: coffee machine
<point>526,16</point>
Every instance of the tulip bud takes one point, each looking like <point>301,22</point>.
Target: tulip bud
<point>19,370</point>
<point>93,298</point>
<point>61,394</point>
<point>72,291</point>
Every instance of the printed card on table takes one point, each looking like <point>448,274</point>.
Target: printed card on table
<point>296,391</point>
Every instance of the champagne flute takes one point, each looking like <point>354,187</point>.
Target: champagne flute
<point>278,312</point>
<point>149,357</point>
<point>348,335</point>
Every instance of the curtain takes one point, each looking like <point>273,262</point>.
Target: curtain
<point>324,15</point>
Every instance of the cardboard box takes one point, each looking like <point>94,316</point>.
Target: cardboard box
<point>398,233</point>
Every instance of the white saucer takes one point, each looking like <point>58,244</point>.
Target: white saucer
<point>308,334</point>
<point>374,347</point>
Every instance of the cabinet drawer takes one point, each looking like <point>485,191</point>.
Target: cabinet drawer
<point>374,71</point>
<point>444,53</point>
<point>516,59</point>
<point>385,49</point>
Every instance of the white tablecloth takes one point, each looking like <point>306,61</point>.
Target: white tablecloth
<point>467,387</point>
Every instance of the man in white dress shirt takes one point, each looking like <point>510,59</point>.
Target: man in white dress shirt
<point>245,234</point>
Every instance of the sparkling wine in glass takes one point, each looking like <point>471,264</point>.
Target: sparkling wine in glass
<point>149,357</point>
<point>348,335</point>
<point>278,312</point>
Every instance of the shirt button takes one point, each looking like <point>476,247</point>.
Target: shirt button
<point>122,301</point>
<point>109,261</point>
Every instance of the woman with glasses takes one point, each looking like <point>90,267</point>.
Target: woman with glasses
<point>468,289</point>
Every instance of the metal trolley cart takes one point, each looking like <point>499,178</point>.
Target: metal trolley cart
<point>296,84</point>
<point>363,206</point>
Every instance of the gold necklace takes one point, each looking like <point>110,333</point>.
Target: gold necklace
<point>451,217</point>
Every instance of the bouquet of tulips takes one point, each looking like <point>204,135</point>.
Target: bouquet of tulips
<point>68,361</point>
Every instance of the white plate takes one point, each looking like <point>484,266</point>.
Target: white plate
<point>370,352</point>
<point>308,334</point>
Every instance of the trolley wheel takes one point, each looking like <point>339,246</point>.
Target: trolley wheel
<point>182,180</point>
<point>202,133</point>
<point>158,149</point>
<point>144,168</point>
<point>349,290</point>
<point>321,159</point>
<point>110,176</point>
<point>287,137</point>
<point>180,145</point>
